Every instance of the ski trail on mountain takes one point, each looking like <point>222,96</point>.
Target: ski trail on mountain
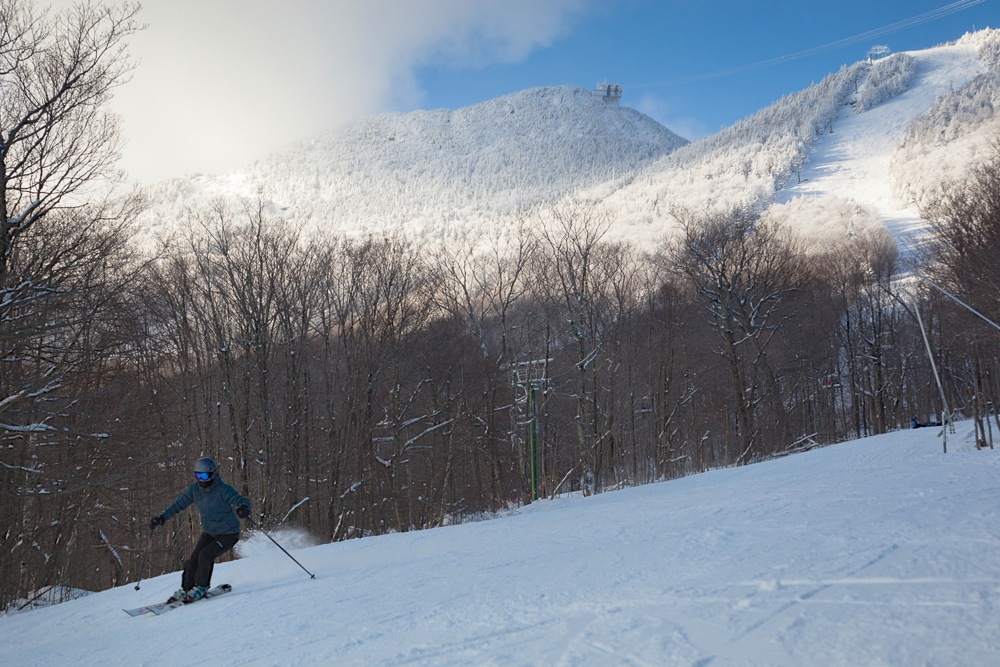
<point>853,161</point>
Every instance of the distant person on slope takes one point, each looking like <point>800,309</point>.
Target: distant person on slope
<point>220,526</point>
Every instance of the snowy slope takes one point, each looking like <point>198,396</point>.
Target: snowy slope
<point>853,162</point>
<point>881,551</point>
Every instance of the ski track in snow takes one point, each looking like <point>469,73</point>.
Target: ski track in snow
<point>881,551</point>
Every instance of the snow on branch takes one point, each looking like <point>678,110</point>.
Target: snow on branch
<point>427,430</point>
<point>114,552</point>
<point>293,508</point>
<point>21,468</point>
<point>28,428</point>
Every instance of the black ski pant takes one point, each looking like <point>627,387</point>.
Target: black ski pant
<point>198,568</point>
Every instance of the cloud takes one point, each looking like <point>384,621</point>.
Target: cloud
<point>221,83</point>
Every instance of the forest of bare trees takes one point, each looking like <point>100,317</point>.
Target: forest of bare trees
<point>354,387</point>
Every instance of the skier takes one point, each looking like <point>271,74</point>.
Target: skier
<point>220,526</point>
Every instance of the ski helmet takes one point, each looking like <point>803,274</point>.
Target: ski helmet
<point>205,470</point>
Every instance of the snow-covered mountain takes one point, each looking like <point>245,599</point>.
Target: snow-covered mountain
<point>427,171</point>
<point>866,145</point>
<point>875,552</point>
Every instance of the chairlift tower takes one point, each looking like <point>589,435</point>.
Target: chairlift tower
<point>877,52</point>
<point>531,376</point>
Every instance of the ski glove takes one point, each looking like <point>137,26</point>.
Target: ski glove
<point>156,521</point>
<point>243,512</point>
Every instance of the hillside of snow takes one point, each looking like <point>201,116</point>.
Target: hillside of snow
<point>881,551</point>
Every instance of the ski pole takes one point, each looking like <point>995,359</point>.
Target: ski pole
<point>311,575</point>
<point>145,558</point>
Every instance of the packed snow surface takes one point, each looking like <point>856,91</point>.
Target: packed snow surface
<point>881,551</point>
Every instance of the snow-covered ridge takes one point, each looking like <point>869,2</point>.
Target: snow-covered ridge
<point>742,165</point>
<point>825,159</point>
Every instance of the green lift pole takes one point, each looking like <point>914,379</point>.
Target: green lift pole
<point>532,441</point>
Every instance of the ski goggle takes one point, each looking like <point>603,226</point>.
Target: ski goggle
<point>203,476</point>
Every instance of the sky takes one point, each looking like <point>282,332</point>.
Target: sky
<point>219,84</point>
<point>880,551</point>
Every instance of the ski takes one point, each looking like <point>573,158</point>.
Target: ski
<point>164,607</point>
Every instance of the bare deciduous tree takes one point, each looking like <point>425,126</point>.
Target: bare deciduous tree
<point>966,253</point>
<point>480,285</point>
<point>861,277</point>
<point>65,273</point>
<point>57,73</point>
<point>574,274</point>
<point>742,268</point>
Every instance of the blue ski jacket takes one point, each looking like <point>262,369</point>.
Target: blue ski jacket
<point>215,502</point>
